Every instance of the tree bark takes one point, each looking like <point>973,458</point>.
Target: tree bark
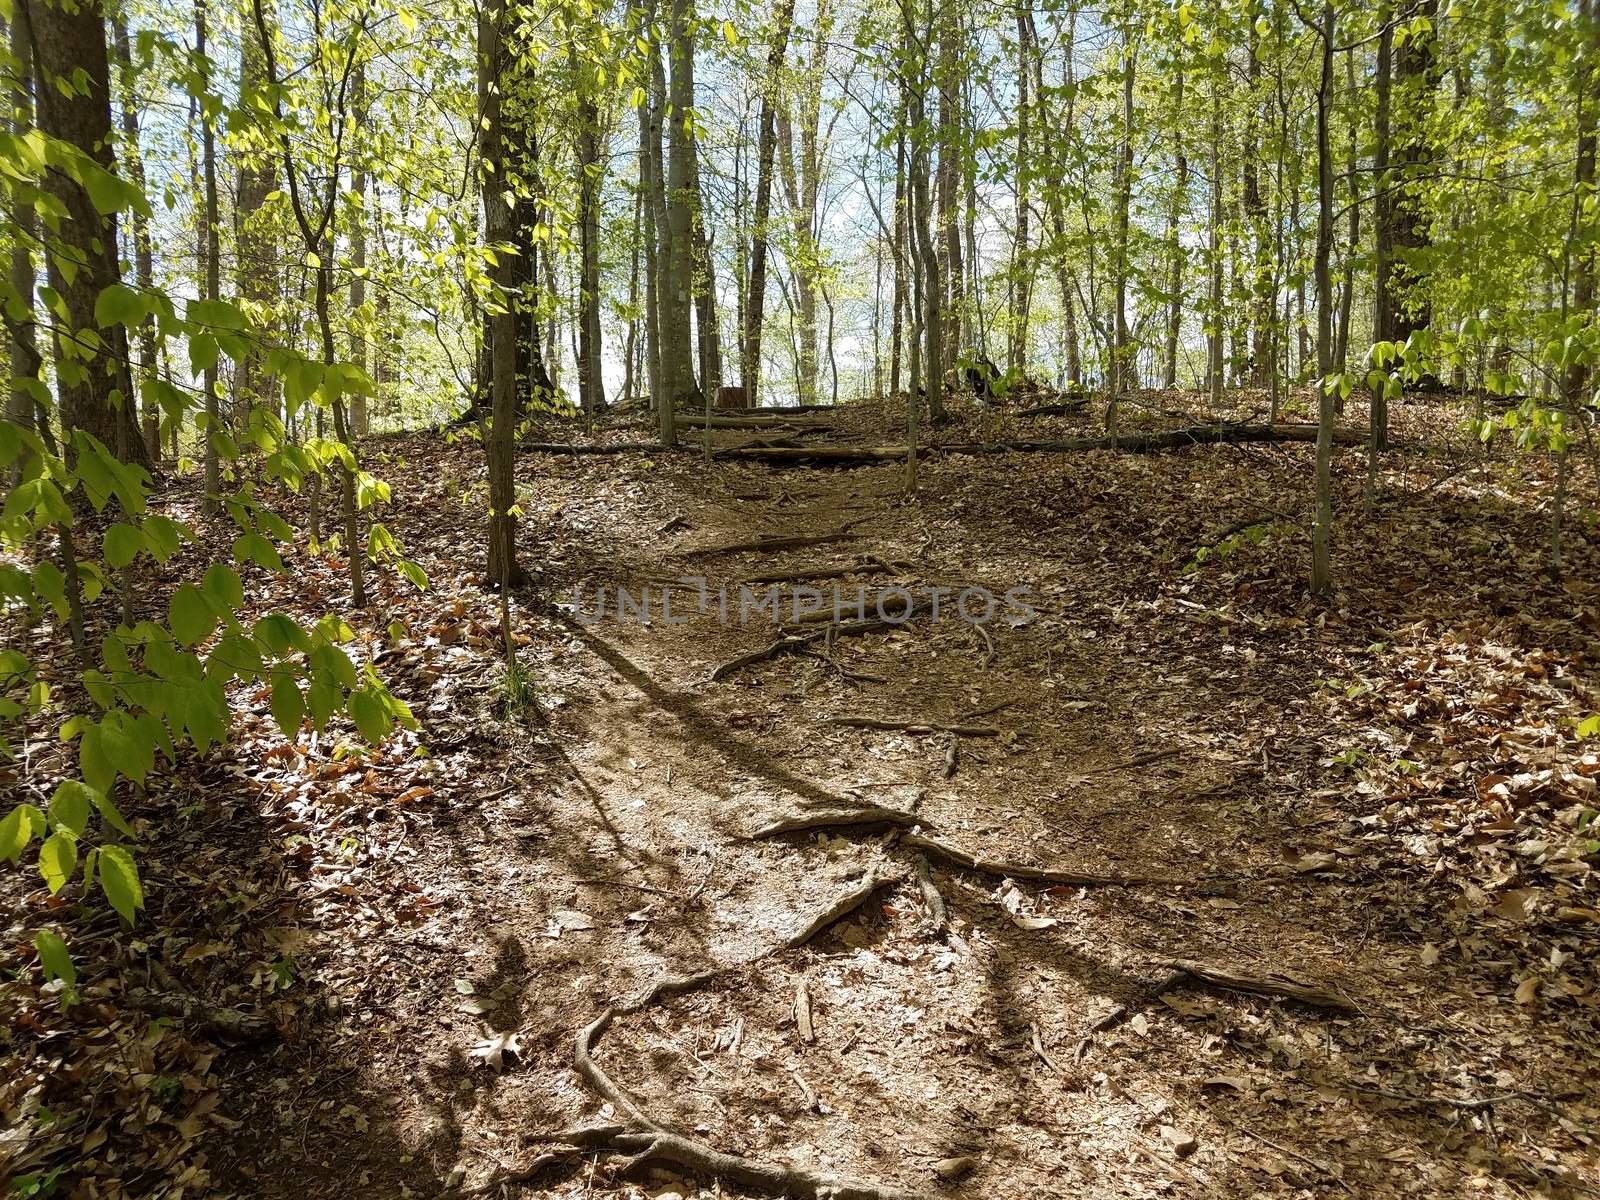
<point>255,248</point>
<point>212,280</point>
<point>1121,350</point>
<point>591,384</point>
<point>766,148</point>
<point>503,569</point>
<point>93,381</point>
<point>1322,526</point>
<point>677,354</point>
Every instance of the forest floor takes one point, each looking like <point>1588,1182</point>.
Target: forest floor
<point>1374,802</point>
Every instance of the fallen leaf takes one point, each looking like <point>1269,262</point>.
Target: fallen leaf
<point>1034,922</point>
<point>494,1049</point>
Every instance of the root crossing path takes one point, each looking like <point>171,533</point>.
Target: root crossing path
<point>903,908</point>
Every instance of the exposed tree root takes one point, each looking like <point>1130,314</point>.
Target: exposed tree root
<point>931,899</point>
<point>830,818</point>
<point>911,725</point>
<point>791,643</point>
<point>862,566</point>
<point>651,1141</point>
<point>1066,878</point>
<point>1274,983</point>
<point>765,545</point>
<point>788,644</point>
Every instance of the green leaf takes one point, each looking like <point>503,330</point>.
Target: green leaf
<point>69,807</point>
<point>191,617</point>
<point>53,957</point>
<point>110,815</point>
<point>96,759</point>
<point>123,543</point>
<point>252,547</point>
<point>118,304</point>
<point>413,572</point>
<point>222,587</point>
<point>288,706</point>
<point>58,857</point>
<point>17,830</point>
<point>371,715</point>
<point>119,880</point>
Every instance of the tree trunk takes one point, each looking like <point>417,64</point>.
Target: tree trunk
<point>767,142</point>
<point>1384,303</point>
<point>503,570</point>
<point>1215,315</point>
<point>26,362</point>
<point>677,346</point>
<point>1416,78</point>
<point>902,251</point>
<point>1121,350</point>
<point>255,248</point>
<point>1322,526</point>
<point>1261,354</point>
<point>1021,274</point>
<point>1175,250</point>
<point>360,419</point>
<point>652,208</point>
<point>95,387</point>
<point>1341,346</point>
<point>212,249</point>
<point>591,384</point>
<point>948,32</point>
<point>143,252</point>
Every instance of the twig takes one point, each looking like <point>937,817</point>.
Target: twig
<point>988,642</point>
<point>1038,1047</point>
<point>1320,1167</point>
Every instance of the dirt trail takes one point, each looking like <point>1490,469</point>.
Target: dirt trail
<point>1041,1043</point>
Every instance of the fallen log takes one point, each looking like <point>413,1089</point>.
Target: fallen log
<point>1133,443</point>
<point>1164,439</point>
<point>699,420</point>
<point>1055,410</point>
